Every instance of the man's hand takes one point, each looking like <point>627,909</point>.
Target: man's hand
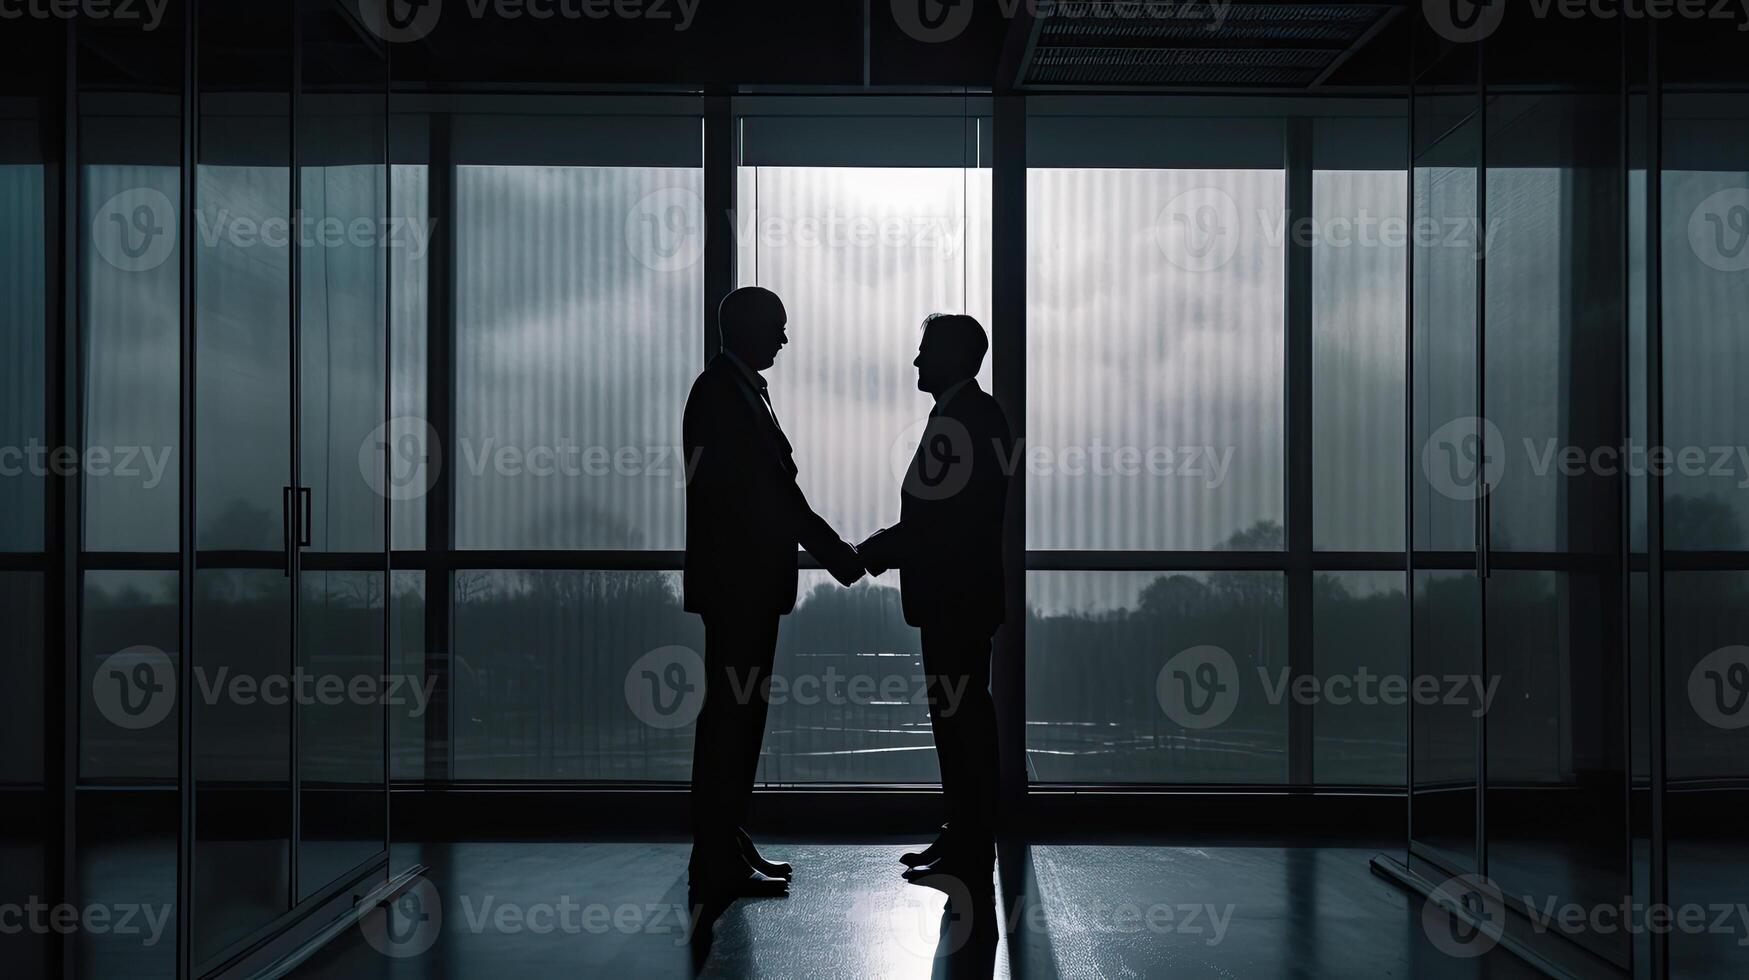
<point>870,553</point>
<point>847,571</point>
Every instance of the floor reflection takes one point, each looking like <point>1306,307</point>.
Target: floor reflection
<point>1053,910</point>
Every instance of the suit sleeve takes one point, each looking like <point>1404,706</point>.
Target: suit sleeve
<point>812,532</point>
<point>951,523</point>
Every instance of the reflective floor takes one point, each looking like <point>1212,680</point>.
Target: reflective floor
<point>1062,910</point>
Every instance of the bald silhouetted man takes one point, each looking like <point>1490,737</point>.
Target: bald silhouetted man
<point>745,515</point>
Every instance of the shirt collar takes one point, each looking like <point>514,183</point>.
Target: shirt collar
<point>753,377</point>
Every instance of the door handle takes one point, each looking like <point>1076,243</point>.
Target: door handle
<point>306,520</point>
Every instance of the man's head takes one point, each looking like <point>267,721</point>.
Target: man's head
<point>750,322</point>
<point>952,350</point>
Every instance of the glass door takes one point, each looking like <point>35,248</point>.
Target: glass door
<point>245,499</point>
<point>1555,772</point>
<point>1451,466</point>
<point>290,330</point>
<point>342,302</point>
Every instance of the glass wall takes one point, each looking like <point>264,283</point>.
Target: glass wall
<point>206,642</point>
<point>1188,278</point>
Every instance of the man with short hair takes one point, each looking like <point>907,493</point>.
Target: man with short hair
<point>947,547</point>
<point>745,515</point>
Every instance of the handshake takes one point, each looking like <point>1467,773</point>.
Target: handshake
<point>873,556</point>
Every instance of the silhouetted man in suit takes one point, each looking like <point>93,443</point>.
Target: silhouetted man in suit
<point>948,549</point>
<point>744,517</point>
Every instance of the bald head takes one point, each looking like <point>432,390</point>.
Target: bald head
<point>751,322</point>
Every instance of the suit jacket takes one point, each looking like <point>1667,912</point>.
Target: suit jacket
<point>947,545</point>
<point>744,512</point>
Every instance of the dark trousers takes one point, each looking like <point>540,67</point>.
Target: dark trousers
<point>963,717</point>
<point>738,653</point>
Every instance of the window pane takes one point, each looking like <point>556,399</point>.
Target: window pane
<point>539,676</point>
<point>342,346</point>
<point>578,297</point>
<point>340,761</point>
<point>590,675</point>
<point>23,365</point>
<point>1448,468</point>
<point>1154,359</point>
<point>848,698</point>
<point>1446,640</point>
<point>1156,677</point>
<point>407,633</point>
<point>243,353</point>
<point>129,622</point>
<point>408,271</point>
<point>242,759</point>
<point>1706,349</point>
<point>1360,623</point>
<point>130,307</point>
<point>21,706</point>
<point>1358,297</point>
<point>859,257</point>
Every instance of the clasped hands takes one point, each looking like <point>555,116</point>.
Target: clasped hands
<point>868,557</point>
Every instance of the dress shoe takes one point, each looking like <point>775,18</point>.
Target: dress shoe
<point>936,848</point>
<point>971,864</point>
<point>750,854</point>
<point>731,878</point>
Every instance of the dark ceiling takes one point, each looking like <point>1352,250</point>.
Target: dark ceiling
<point>984,44</point>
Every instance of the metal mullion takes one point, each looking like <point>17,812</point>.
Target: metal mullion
<point>1008,260</point>
<point>294,331</point>
<point>1482,543</point>
<point>387,557</point>
<point>1297,331</point>
<point>1655,717</point>
<point>63,507</point>
<point>1409,460</point>
<point>439,523</point>
<point>185,528</point>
